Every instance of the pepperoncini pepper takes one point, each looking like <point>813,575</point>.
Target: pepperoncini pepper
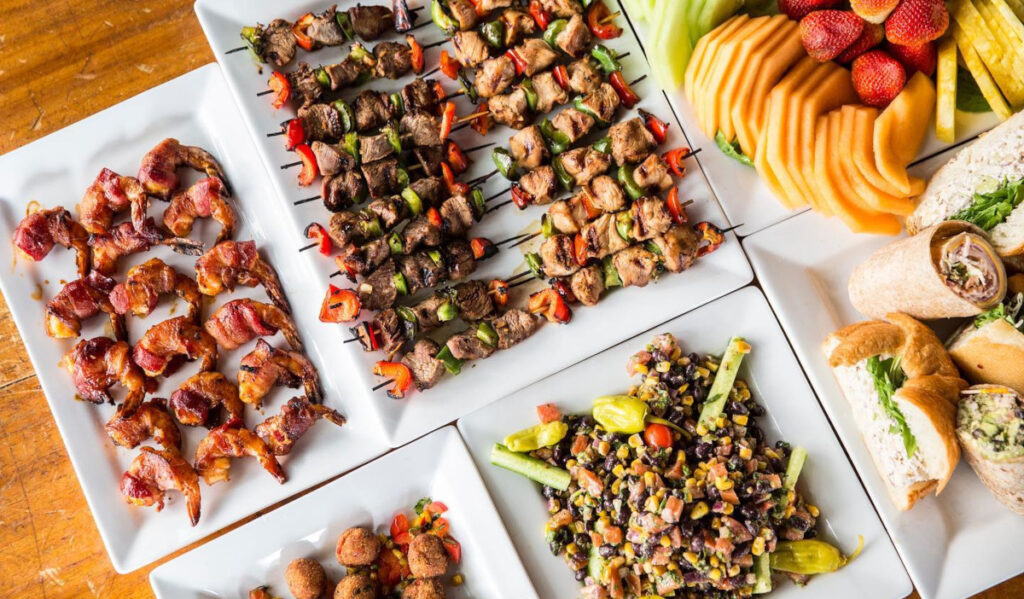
<point>620,413</point>
<point>537,436</point>
<point>810,556</point>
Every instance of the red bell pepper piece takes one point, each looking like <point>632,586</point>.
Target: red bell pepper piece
<point>454,187</point>
<point>657,127</point>
<point>674,158</point>
<point>450,66</point>
<point>340,305</point>
<point>712,235</point>
<point>588,205</point>
<point>439,91</point>
<point>579,246</point>
<point>309,170</point>
<point>368,336</point>
<point>549,303</point>
<point>601,22</point>
<point>520,198</point>
<point>499,291</point>
<point>479,9</point>
<point>294,134</point>
<point>299,31</point>
<point>548,412</point>
<point>317,233</point>
<point>400,375</point>
<point>343,264</point>
<point>416,54</point>
<point>564,290</point>
<point>482,248</point>
<point>455,157</point>
<point>434,217</point>
<point>447,119</point>
<point>675,209</point>
<point>517,60</point>
<point>282,88</point>
<point>540,16</point>
<point>626,94</point>
<point>483,123</point>
<point>561,75</point>
<point>453,548</point>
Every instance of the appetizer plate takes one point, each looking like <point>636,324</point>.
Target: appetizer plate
<point>953,545</point>
<point>437,466</point>
<point>792,414</point>
<point>747,201</point>
<point>619,315</point>
<point>56,170</point>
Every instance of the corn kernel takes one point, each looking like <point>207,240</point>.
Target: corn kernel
<point>648,478</point>
<point>690,557</point>
<point>673,566</point>
<point>570,463</point>
<point>618,471</point>
<point>789,510</point>
<point>702,371</point>
<point>665,541</point>
<point>740,419</point>
<point>658,570</point>
<point>628,550</point>
<point>622,452</point>
<point>640,368</point>
<point>701,429</point>
<point>727,508</point>
<point>688,400</point>
<point>734,570</point>
<point>617,485</point>
<point>714,561</point>
<point>813,509</point>
<point>723,484</point>
<point>457,580</point>
<point>757,547</point>
<point>572,548</point>
<point>663,366</point>
<point>720,422</point>
<point>746,453</point>
<point>699,511</point>
<point>635,441</point>
<point>715,574</point>
<point>726,440</point>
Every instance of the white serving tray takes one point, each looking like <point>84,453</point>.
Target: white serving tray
<point>793,414</point>
<point>620,315</point>
<point>436,466</point>
<point>954,545</point>
<point>56,170</point>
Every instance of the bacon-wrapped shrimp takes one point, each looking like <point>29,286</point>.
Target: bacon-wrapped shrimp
<point>231,440</point>
<point>159,170</point>
<point>98,364</point>
<point>173,340</point>
<point>266,367</point>
<point>205,199</point>
<point>195,402</point>
<point>242,320</point>
<point>109,195</point>
<point>78,300</point>
<point>151,419</point>
<point>231,263</point>
<point>146,282</point>
<point>40,230</point>
<point>154,472</point>
<point>125,239</point>
<point>281,431</point>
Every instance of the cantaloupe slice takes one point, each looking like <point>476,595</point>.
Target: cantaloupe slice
<point>746,131</point>
<point>874,197</point>
<point>741,50</point>
<point>789,145</point>
<point>900,130</point>
<point>698,59</point>
<point>707,59</point>
<point>707,85</point>
<point>760,160</point>
<point>863,154</point>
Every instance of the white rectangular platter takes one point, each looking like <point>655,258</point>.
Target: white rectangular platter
<point>793,414</point>
<point>436,466</point>
<point>953,545</point>
<point>618,316</point>
<point>56,170</point>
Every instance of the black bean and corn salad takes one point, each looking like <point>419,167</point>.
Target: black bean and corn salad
<point>672,490</point>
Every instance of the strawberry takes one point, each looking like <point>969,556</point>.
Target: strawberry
<point>915,22</point>
<point>873,11</point>
<point>826,33</point>
<point>872,35</point>
<point>877,78</point>
<point>798,9</point>
<point>921,57</point>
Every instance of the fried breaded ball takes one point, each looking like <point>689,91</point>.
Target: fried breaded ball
<point>356,586</point>
<point>306,578</point>
<point>357,547</point>
<point>424,588</point>
<point>427,557</point>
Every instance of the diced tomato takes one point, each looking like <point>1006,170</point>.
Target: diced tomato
<point>562,76</point>
<point>579,246</point>
<point>549,303</point>
<point>674,159</point>
<point>436,507</point>
<point>282,88</point>
<point>434,217</point>
<point>729,495</point>
<point>499,291</point>
<point>340,305</point>
<point>675,209</point>
<point>483,123</point>
<point>455,157</point>
<point>416,53</point>
<point>710,234</point>
<point>540,15</point>
<point>441,527</point>
<point>450,66</point>
<point>309,170</point>
<point>447,119</point>
<point>316,232</point>
<point>589,482</point>
<point>294,134</point>
<point>400,375</point>
<point>657,127</point>
<point>520,198</point>
<point>612,535</point>
<point>299,31</point>
<point>658,435</point>
<point>390,570</point>
<point>548,412</point>
<point>626,94</point>
<point>517,60</point>
<point>601,22</point>
<point>399,524</point>
<point>482,248</point>
<point>453,548</point>
<point>579,444</point>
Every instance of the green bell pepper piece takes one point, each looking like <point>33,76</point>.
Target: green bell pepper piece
<point>371,226</point>
<point>628,182</point>
<point>395,244</point>
<point>611,274</point>
<point>403,177</point>
<point>440,17</point>
<point>359,52</point>
<point>393,138</point>
<point>485,332</point>
<point>531,94</point>
<point>537,436</point>
<point>603,145</point>
<point>558,141</point>
<point>468,86</point>
<point>435,256</point>
<point>494,33</point>
<point>322,78</point>
<point>564,178</point>
<point>397,103</point>
<point>351,145</point>
<point>254,41</point>
<point>547,227</point>
<point>555,28</point>
<point>348,116</point>
<point>413,201</point>
<point>479,205</point>
<point>401,284</point>
<point>447,311</point>
<point>606,59</point>
<point>345,22</point>
<point>452,364</point>
<point>535,265</point>
<point>504,162</point>
<point>624,225</point>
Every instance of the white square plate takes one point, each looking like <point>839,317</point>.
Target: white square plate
<point>436,466</point>
<point>552,348</point>
<point>793,414</point>
<point>954,545</point>
<point>56,170</point>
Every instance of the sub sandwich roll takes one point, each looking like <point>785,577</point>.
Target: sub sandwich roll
<point>990,426</point>
<point>902,389</point>
<point>984,185</point>
<point>946,271</point>
<point>990,348</point>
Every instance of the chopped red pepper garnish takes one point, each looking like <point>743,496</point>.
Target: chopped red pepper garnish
<point>299,31</point>
<point>368,336</point>
<point>434,217</point>
<point>294,134</point>
<point>520,198</point>
<point>601,22</point>
<point>317,233</point>
<point>282,88</point>
<point>626,94</point>
<point>453,548</point>
<point>309,170</point>
<point>561,76</point>
<point>416,54</point>
<point>548,412</point>
<point>400,375</point>
<point>674,159</point>
<point>657,127</point>
<point>588,204</point>
<point>454,187</point>
<point>540,15</point>
<point>499,291</point>
<point>483,123</point>
<point>340,305</point>
<point>390,570</point>
<point>675,209</point>
<point>564,290</point>
<point>549,303</point>
<point>579,246</point>
<point>455,157</point>
<point>447,119</point>
<point>712,235</point>
<point>450,66</point>
<point>482,248</point>
<point>518,60</point>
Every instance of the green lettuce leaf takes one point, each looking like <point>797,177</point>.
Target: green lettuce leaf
<point>888,376</point>
<point>732,149</point>
<point>968,95</point>
<point>1011,310</point>
<point>993,208</point>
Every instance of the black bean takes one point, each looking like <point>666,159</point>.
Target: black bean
<point>697,543</point>
<point>549,492</point>
<point>581,574</point>
<point>606,550</point>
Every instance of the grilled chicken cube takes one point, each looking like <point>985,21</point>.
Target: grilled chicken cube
<point>549,93</point>
<point>430,157</point>
<point>510,109</point>
<point>457,215</point>
<point>566,215</point>
<point>426,369</point>
<point>584,164</point>
<point>345,73</point>
<point>562,8</point>
<point>394,60</point>
<point>321,121</point>
<point>421,128</point>
<point>464,13</point>
<point>381,177</point>
<point>278,42</point>
<point>513,326</point>
<point>343,190</point>
<point>635,266</point>
<point>541,184</point>
<point>472,300</point>
<point>420,232</point>
<point>587,284</point>
<point>528,148</point>
<point>653,174</point>
<point>537,55</point>
<point>305,88</point>
<point>494,76</point>
<point>324,29</point>
<point>374,147</point>
<point>458,257</point>
<point>678,247</point>
<point>420,271</point>
<point>573,123</point>
<point>371,22</point>
<point>420,94</point>
<point>601,237</point>
<point>389,211</point>
<point>470,48</point>
<point>518,25</point>
<point>650,218</point>
<point>603,102</point>
<point>606,195</point>
<point>331,159</point>
<point>372,110</point>
<point>558,256</point>
<point>575,38</point>
<point>378,290</point>
<point>631,141</point>
<point>584,76</point>
<point>489,6</point>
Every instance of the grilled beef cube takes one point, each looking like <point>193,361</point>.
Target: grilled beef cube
<point>464,13</point>
<point>371,22</point>
<point>351,227</point>
<point>345,73</point>
<point>421,271</point>
<point>394,60</point>
<point>365,258</point>
<point>541,184</point>
<point>601,237</point>
<point>584,77</point>
<point>489,6</point>
<point>631,141</point>
<point>430,158</point>
<point>457,215</point>
<point>426,312</point>
<point>321,121</point>
<point>426,369</point>
<point>549,93</point>
<point>518,25</point>
<point>537,55</point>
<point>378,290</point>
<point>421,128</point>
<point>678,247</point>
<point>584,164</point>
<point>513,326</point>
<point>650,218</point>
<point>528,148</point>
<point>381,177</point>
<point>375,147</point>
<point>575,38</point>
<point>635,266</point>
<point>573,123</point>
<point>429,189</point>
<point>472,300</point>
<point>278,42</point>
<point>343,190</point>
<point>587,284</point>
<point>562,8</point>
<point>420,232</point>
<point>324,30</point>
<point>494,76</point>
<point>390,331</point>
<point>305,88</point>
<point>420,95</point>
<point>470,48</point>
<point>389,211</point>
<point>603,102</point>
<point>606,195</point>
<point>558,257</point>
<point>372,110</point>
<point>510,109</point>
<point>458,255</point>
<point>653,174</point>
<point>467,346</point>
<point>567,215</point>
<point>331,159</point>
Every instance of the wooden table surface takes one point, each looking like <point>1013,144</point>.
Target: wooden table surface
<point>59,63</point>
